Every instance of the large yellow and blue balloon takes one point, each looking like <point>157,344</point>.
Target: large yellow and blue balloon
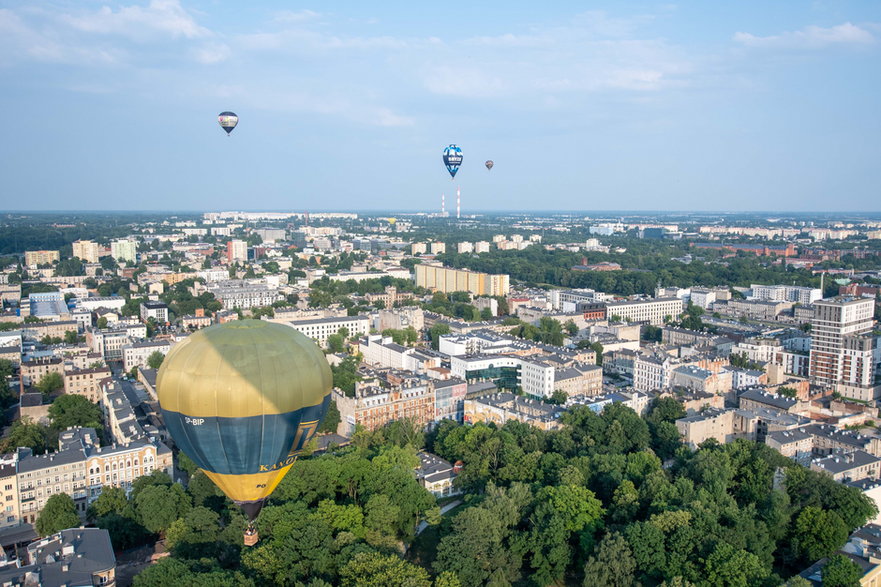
<point>242,399</point>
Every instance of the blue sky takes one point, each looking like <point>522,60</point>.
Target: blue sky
<point>348,105</point>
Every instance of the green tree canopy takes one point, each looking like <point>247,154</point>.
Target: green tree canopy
<point>154,361</point>
<point>75,410</point>
<point>331,419</point>
<point>817,533</point>
<point>612,565</point>
<point>58,514</point>
<point>372,569</point>
<point>841,571</point>
<point>50,382</point>
<point>158,506</point>
<point>25,432</point>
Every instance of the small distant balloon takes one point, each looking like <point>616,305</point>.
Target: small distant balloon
<point>452,159</point>
<point>228,121</point>
<point>489,164</point>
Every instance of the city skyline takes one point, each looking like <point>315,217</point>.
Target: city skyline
<point>671,107</point>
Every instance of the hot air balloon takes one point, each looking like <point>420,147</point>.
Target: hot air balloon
<point>489,164</point>
<point>452,159</point>
<point>242,399</point>
<point>228,121</point>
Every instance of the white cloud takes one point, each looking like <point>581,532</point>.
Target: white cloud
<point>325,103</point>
<point>21,41</point>
<point>564,59</point>
<point>811,37</point>
<point>302,40</point>
<point>108,36</point>
<point>298,16</point>
<point>166,17</point>
<point>464,82</point>
<point>211,53</point>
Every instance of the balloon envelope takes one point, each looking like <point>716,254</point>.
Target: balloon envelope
<point>452,159</point>
<point>489,164</point>
<point>228,121</point>
<point>242,399</point>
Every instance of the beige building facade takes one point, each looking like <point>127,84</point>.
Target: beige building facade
<point>448,280</point>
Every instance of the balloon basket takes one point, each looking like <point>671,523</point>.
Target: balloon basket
<point>251,537</point>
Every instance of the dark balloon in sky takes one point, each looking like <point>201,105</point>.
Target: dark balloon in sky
<point>489,164</point>
<point>228,121</point>
<point>452,159</point>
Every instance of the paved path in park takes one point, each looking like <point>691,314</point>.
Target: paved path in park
<point>423,525</point>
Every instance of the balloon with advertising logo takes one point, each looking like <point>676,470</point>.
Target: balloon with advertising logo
<point>452,159</point>
<point>228,121</point>
<point>242,399</point>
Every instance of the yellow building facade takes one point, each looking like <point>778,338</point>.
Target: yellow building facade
<point>448,280</point>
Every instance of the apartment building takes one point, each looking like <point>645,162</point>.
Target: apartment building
<point>243,294</point>
<point>567,300</point>
<point>786,293</point>
<point>87,251</point>
<point>389,297</point>
<point>35,258</point>
<point>86,382</point>
<point>399,319</point>
<point>158,311</point>
<point>701,380</point>
<point>236,250</point>
<point>851,466</point>
<point>76,556</point>
<point>94,303</point>
<point>109,343</point>
<point>795,444</point>
<point>318,329</point>
<point>652,311</point>
<point>9,501</point>
<point>828,439</point>
<point>32,371</point>
<point>449,396</point>
<point>653,372</point>
<point>711,423</point>
<point>373,407</point>
<point>81,469</point>
<point>752,399</point>
<point>448,280</point>
<point>498,408</point>
<point>842,346</point>
<point>137,353</point>
<point>579,380</point>
<point>125,250</point>
<point>40,330</point>
<point>383,351</point>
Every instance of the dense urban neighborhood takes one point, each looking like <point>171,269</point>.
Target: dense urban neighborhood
<point>518,399</point>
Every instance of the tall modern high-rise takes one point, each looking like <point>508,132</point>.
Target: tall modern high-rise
<point>842,345</point>
<point>88,251</point>
<point>236,250</point>
<point>124,250</point>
